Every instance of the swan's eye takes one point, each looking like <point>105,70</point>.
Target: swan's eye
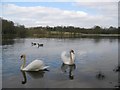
<point>21,56</point>
<point>72,51</point>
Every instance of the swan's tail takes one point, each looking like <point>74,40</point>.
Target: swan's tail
<point>45,67</point>
<point>24,69</point>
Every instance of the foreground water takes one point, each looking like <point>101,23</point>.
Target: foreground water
<point>93,56</point>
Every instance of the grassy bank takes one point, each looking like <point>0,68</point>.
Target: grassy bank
<point>60,35</point>
<point>55,34</point>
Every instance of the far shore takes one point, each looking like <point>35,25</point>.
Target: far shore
<point>65,35</point>
<point>104,35</point>
<point>76,35</point>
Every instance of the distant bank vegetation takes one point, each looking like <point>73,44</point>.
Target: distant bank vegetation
<point>12,30</point>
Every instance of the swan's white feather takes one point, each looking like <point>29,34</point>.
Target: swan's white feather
<point>35,65</point>
<point>66,59</point>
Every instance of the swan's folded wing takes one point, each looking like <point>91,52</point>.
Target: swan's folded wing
<point>44,67</point>
<point>36,65</point>
<point>64,57</point>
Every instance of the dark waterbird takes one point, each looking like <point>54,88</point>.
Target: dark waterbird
<point>33,43</point>
<point>40,45</point>
<point>100,75</point>
<point>117,69</point>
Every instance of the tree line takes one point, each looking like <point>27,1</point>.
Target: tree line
<point>9,28</point>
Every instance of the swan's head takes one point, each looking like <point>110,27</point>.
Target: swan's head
<point>72,51</point>
<point>22,56</point>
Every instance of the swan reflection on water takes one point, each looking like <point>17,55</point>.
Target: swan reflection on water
<point>68,69</point>
<point>24,77</point>
<point>35,75</point>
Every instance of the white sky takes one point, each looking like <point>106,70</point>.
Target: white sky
<point>80,14</point>
<point>60,0</point>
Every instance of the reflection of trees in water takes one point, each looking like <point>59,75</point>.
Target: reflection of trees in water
<point>12,41</point>
<point>68,68</point>
<point>8,41</point>
<point>99,39</point>
<point>113,39</point>
<point>0,39</point>
<point>35,75</point>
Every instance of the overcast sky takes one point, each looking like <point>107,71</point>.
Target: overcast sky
<point>80,14</point>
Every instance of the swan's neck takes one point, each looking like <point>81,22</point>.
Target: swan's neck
<point>71,58</point>
<point>24,62</point>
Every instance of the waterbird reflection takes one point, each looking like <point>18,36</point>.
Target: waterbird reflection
<point>38,44</point>
<point>100,75</point>
<point>34,75</point>
<point>24,77</point>
<point>68,68</point>
<point>118,85</point>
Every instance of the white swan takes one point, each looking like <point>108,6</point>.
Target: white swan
<point>68,59</point>
<point>35,65</point>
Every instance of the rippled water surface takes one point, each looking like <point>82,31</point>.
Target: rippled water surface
<point>93,56</point>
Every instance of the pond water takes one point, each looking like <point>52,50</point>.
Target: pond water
<point>93,57</point>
